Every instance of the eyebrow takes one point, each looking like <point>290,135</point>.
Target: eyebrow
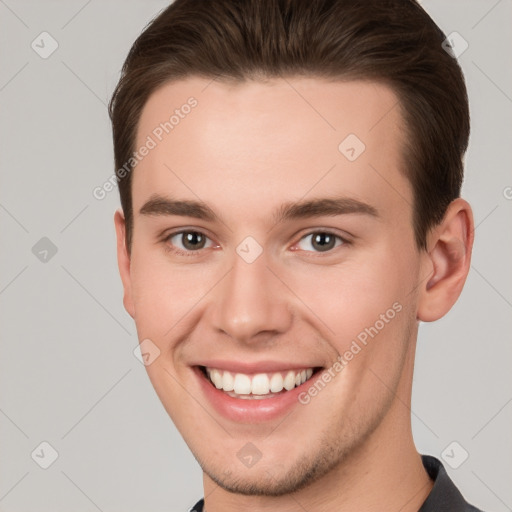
<point>328,206</point>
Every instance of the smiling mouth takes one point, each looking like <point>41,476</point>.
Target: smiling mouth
<point>257,386</point>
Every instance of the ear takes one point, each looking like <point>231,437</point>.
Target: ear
<point>123,261</point>
<point>446,261</point>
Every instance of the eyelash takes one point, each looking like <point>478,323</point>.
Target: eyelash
<point>181,252</point>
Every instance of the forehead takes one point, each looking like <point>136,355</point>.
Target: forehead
<point>231,144</point>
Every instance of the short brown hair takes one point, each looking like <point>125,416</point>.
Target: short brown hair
<point>394,42</point>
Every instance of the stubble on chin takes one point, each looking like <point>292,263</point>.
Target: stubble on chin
<point>284,479</point>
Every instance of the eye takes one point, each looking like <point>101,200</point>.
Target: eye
<point>322,241</point>
<point>186,242</point>
<point>191,242</point>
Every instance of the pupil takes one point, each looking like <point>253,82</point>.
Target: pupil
<point>325,240</point>
<point>191,239</point>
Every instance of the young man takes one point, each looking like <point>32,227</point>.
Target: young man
<point>290,173</point>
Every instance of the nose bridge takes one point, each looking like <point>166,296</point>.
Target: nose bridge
<point>251,300</point>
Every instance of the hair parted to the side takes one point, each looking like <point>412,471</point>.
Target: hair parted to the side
<point>394,42</point>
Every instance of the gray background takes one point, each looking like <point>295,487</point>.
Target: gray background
<point>68,375</point>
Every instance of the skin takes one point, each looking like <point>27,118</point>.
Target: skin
<point>245,150</point>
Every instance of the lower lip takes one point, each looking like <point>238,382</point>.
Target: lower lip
<point>250,410</point>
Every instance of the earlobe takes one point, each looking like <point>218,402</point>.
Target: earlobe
<point>447,261</point>
<point>123,261</point>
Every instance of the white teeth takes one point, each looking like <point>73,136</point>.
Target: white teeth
<point>242,384</point>
<point>216,377</point>
<point>261,385</point>
<point>228,382</point>
<point>277,383</point>
<point>289,381</point>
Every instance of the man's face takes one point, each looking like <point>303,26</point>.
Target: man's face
<point>255,293</point>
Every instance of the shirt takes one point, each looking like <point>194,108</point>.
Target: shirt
<point>444,496</point>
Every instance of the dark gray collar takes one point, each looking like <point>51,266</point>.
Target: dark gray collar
<point>444,496</point>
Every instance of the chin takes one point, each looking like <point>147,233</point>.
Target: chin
<point>267,479</point>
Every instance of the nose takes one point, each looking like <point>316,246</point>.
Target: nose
<point>251,304</point>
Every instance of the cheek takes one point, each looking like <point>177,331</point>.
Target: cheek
<point>352,296</point>
<point>164,292</point>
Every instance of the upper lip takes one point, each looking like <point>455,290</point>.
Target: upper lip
<point>256,366</point>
